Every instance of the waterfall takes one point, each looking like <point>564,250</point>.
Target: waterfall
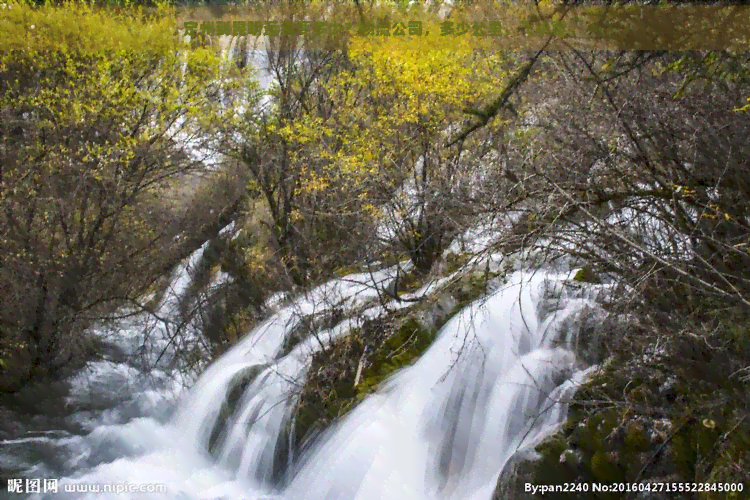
<point>112,408</point>
<point>444,427</point>
<point>495,381</point>
<point>238,59</point>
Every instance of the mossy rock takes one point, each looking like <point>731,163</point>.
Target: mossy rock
<point>587,275</point>
<point>402,348</point>
<point>355,268</point>
<point>411,282</point>
<point>229,405</point>
<point>624,428</point>
<point>731,463</point>
<point>604,467</point>
<point>329,389</point>
<point>471,287</point>
<point>636,436</point>
<point>382,346</point>
<point>455,261</point>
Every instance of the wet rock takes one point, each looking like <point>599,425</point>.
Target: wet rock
<point>435,314</point>
<point>518,471</point>
<point>10,426</point>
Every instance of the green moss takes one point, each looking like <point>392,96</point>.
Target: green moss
<point>552,446</point>
<point>401,349</point>
<point>329,393</point>
<point>604,468</point>
<point>636,437</point>
<point>624,427</point>
<point>732,459</point>
<point>411,282</point>
<point>392,344</point>
<point>616,444</point>
<point>738,333</point>
<point>586,275</point>
<point>391,258</point>
<point>342,271</point>
<point>472,287</point>
<point>549,464</point>
<point>455,261</point>
<point>683,456</point>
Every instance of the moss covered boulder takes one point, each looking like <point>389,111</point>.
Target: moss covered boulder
<point>670,415</point>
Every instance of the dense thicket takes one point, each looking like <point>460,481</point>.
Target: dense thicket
<point>92,132</point>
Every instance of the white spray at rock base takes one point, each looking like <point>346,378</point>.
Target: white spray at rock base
<point>496,380</point>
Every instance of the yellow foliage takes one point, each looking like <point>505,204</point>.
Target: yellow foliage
<point>256,258</point>
<point>400,94</point>
<point>745,107</point>
<point>74,26</point>
<point>95,91</point>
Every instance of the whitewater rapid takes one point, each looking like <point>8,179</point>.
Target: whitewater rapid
<point>496,380</point>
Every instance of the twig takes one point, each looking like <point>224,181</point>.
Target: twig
<point>359,367</point>
<point>644,251</point>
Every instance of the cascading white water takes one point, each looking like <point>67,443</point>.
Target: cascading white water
<point>150,344</point>
<point>444,428</point>
<point>494,381</point>
<point>139,377</point>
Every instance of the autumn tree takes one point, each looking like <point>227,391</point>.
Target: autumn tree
<point>376,143</point>
<point>98,110</point>
<point>269,156</point>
